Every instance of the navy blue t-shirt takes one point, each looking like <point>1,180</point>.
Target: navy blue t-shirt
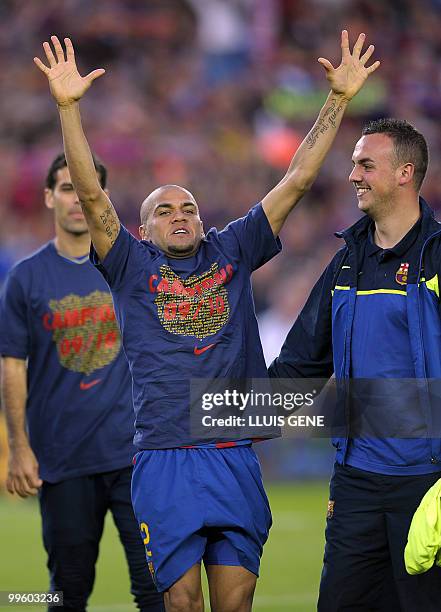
<point>187,318</point>
<point>59,315</point>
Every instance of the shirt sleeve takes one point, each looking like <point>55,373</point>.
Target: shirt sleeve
<point>253,237</point>
<point>122,261</point>
<point>14,305</point>
<point>307,350</point>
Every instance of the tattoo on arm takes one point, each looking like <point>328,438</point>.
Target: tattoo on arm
<point>327,120</point>
<point>110,224</point>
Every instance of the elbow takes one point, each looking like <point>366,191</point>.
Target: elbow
<point>299,183</point>
<point>303,182</point>
<point>90,197</point>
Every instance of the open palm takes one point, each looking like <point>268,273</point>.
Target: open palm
<point>65,82</point>
<point>349,77</point>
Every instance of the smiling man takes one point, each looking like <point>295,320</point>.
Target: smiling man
<point>66,392</point>
<point>184,304</point>
<point>375,315</point>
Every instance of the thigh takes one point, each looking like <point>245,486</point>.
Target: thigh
<point>72,517</point>
<point>72,511</point>
<point>185,595</point>
<point>421,592</point>
<point>142,586</point>
<point>180,495</point>
<point>166,496</point>
<point>356,558</point>
<point>237,511</point>
<point>231,588</point>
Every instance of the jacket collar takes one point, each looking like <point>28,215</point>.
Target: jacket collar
<point>358,230</point>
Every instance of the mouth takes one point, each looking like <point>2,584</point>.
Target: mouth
<point>77,215</point>
<point>361,191</point>
<point>180,231</point>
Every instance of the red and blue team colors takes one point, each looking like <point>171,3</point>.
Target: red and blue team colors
<point>195,504</point>
<point>182,319</point>
<point>59,315</point>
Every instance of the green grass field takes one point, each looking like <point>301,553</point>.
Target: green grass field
<point>290,567</point>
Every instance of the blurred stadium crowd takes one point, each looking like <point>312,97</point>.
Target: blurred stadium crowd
<point>214,95</point>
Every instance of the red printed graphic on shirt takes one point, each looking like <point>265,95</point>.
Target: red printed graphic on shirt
<point>85,331</point>
<point>197,306</point>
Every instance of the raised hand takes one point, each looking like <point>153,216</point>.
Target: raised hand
<point>350,76</point>
<point>65,82</point>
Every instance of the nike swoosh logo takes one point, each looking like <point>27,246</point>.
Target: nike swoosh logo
<point>199,351</point>
<point>84,386</point>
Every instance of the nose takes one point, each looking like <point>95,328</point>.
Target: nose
<point>178,216</point>
<point>354,175</point>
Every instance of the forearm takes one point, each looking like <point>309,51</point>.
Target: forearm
<point>306,163</point>
<point>78,155</point>
<point>101,217</point>
<point>14,396</point>
<point>309,157</point>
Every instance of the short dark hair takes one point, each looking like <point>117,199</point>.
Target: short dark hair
<point>409,144</point>
<point>60,162</point>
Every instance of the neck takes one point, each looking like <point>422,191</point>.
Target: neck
<point>72,245</point>
<point>392,228</point>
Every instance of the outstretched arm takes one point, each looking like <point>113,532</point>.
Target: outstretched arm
<point>346,81</point>
<point>68,87</point>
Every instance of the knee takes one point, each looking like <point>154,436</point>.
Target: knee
<point>183,601</point>
<point>235,602</point>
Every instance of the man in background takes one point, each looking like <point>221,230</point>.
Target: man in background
<point>66,392</point>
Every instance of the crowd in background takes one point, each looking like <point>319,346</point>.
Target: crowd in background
<point>214,95</point>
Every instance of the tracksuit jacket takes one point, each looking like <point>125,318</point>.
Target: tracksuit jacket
<point>319,343</point>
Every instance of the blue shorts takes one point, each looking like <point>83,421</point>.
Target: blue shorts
<point>200,503</point>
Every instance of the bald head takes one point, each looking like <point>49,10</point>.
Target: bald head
<point>170,220</point>
<point>162,195</point>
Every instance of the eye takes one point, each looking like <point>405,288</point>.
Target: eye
<point>164,212</point>
<point>190,211</point>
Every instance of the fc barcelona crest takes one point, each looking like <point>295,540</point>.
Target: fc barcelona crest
<point>402,274</point>
<point>330,512</point>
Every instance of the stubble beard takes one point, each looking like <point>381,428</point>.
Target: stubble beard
<point>184,250</point>
<point>75,231</point>
<point>181,251</point>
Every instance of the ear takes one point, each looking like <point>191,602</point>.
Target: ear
<point>143,232</point>
<point>405,174</point>
<point>202,230</point>
<point>48,198</point>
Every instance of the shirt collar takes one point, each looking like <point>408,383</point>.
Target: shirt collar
<point>399,249</point>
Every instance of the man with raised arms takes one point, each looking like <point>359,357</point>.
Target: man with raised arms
<point>184,304</point>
